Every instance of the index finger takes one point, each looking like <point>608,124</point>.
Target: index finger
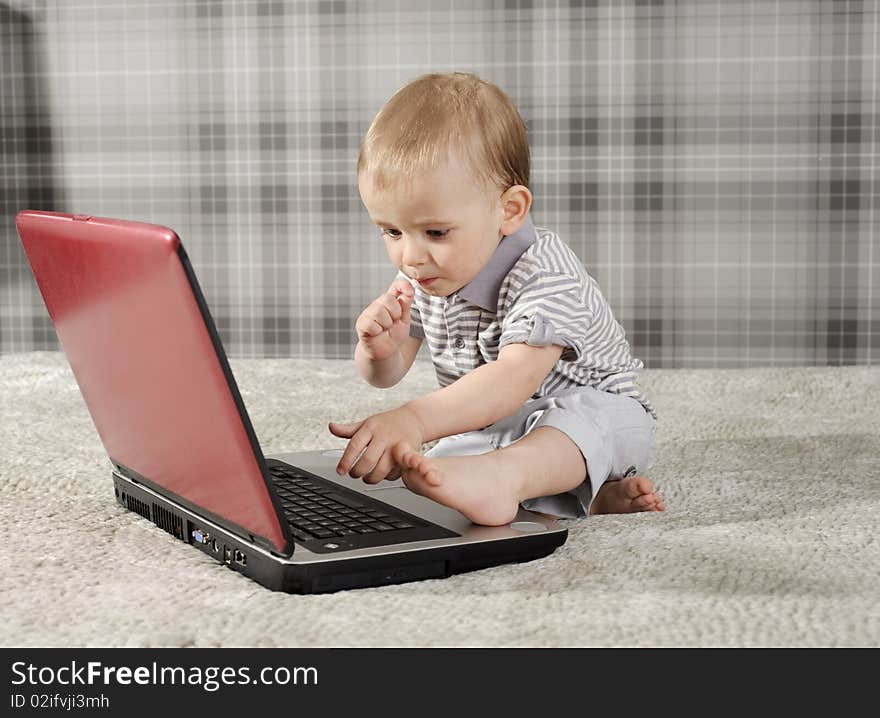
<point>356,446</point>
<point>401,286</point>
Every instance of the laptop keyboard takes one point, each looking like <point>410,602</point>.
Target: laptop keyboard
<point>317,509</point>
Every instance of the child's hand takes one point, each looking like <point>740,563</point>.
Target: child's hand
<point>384,325</point>
<point>376,437</point>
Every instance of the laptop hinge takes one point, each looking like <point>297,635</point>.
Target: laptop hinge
<point>124,473</point>
<point>264,543</point>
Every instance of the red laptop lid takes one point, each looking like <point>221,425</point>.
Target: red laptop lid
<point>126,308</point>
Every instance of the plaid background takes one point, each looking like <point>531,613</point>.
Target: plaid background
<point>712,163</point>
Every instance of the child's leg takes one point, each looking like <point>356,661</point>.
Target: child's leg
<point>565,455</point>
<point>488,488</point>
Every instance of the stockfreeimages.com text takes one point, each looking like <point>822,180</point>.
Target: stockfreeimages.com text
<point>211,678</point>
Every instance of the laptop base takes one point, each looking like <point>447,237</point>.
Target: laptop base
<point>279,573</point>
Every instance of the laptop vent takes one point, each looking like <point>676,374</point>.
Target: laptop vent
<point>168,521</point>
<point>137,506</point>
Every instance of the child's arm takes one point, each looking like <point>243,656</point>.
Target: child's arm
<point>385,351</point>
<point>487,394</point>
<point>482,397</point>
<point>387,372</point>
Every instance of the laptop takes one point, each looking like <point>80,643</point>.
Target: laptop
<point>136,330</point>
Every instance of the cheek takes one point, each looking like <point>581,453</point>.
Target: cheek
<point>461,261</point>
<point>393,253</point>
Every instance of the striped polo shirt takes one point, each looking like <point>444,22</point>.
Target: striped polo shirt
<point>535,290</point>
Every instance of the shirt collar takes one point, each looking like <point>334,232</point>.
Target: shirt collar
<point>483,289</point>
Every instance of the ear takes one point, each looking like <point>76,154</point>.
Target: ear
<point>515,204</point>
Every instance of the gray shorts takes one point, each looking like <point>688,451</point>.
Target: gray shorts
<point>614,433</point>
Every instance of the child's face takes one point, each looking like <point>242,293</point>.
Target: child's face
<point>440,229</point>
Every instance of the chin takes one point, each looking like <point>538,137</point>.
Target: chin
<point>436,290</point>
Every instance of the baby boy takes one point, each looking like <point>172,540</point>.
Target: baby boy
<point>538,404</point>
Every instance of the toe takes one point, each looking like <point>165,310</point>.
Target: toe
<point>658,504</point>
<point>433,478</point>
<point>645,502</point>
<point>412,482</point>
<point>636,486</point>
<point>644,485</point>
<point>400,452</point>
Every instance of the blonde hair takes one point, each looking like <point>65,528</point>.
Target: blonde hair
<point>438,115</point>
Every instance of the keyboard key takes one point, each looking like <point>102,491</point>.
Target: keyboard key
<point>352,503</point>
<point>379,526</point>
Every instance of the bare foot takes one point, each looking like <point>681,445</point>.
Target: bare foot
<point>482,487</point>
<point>635,493</point>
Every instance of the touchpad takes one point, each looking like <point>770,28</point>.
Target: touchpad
<point>528,527</point>
<point>396,484</point>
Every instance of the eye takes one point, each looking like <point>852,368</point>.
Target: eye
<point>393,233</point>
<point>437,233</point>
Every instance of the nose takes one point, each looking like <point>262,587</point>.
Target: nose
<point>413,254</point>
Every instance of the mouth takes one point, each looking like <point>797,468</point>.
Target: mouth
<point>426,282</point>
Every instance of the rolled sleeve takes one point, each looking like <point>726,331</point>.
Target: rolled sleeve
<point>549,309</point>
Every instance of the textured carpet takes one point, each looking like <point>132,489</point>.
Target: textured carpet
<point>770,538</point>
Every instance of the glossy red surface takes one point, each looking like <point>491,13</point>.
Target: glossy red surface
<point>141,353</point>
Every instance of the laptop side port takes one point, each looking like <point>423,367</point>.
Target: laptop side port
<point>201,538</point>
<point>208,542</point>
